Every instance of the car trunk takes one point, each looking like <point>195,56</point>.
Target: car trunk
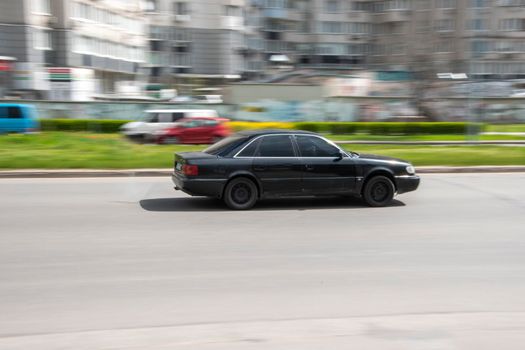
<point>188,158</point>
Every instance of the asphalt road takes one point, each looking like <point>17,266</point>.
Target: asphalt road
<point>127,263</point>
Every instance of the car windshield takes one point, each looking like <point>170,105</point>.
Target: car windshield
<point>225,144</point>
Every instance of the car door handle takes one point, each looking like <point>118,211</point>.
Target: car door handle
<point>259,168</point>
<point>309,167</point>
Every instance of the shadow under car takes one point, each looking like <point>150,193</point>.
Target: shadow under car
<point>190,204</point>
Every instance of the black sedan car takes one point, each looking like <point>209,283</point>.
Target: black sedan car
<point>248,166</point>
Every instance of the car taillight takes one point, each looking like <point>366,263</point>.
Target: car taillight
<point>190,170</point>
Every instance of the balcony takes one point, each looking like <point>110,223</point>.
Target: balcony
<point>182,18</point>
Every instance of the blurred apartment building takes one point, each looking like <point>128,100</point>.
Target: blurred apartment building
<point>202,42</point>
<point>485,38</point>
<point>205,42</point>
<point>62,45</point>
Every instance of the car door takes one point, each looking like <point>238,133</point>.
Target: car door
<point>14,119</point>
<point>324,171</point>
<point>193,131</point>
<point>276,165</point>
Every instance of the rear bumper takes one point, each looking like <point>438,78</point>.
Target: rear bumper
<point>407,183</point>
<point>199,187</point>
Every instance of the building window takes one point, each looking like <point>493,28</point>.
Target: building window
<point>42,39</point>
<point>360,6</point>
<point>331,6</point>
<point>478,48</point>
<point>478,3</point>
<point>445,4</point>
<point>396,5</point>
<point>478,24</point>
<point>42,6</point>
<point>512,24</point>
<point>445,25</point>
<point>331,27</point>
<point>358,28</point>
<point>182,8</point>
<point>520,3</point>
<point>443,47</point>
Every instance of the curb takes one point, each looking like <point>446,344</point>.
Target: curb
<point>56,174</point>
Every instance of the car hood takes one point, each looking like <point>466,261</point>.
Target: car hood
<point>132,125</point>
<point>378,157</point>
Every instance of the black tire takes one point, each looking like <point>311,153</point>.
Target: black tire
<point>240,194</point>
<point>379,191</point>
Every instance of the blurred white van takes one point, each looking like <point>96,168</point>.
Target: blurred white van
<point>160,119</point>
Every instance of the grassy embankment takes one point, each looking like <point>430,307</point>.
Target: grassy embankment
<point>67,150</point>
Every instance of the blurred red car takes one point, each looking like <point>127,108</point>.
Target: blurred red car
<point>195,130</point>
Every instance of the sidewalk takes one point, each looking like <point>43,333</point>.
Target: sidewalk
<point>72,173</point>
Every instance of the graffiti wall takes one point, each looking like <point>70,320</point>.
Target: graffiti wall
<point>509,110</point>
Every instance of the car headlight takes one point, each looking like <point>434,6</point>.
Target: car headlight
<point>410,170</point>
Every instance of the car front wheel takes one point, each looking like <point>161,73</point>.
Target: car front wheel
<point>240,194</point>
<point>379,191</point>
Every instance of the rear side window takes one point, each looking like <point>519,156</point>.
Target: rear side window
<point>225,145</point>
<point>275,146</point>
<point>250,150</point>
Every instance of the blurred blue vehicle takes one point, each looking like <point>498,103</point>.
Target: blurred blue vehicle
<point>19,118</point>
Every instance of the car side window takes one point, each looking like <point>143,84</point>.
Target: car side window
<point>154,118</point>
<point>3,112</point>
<point>193,123</point>
<point>250,150</point>
<point>14,112</point>
<point>211,123</point>
<point>310,146</point>
<point>177,116</point>
<point>164,118</point>
<point>275,146</point>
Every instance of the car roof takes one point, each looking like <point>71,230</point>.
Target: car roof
<point>180,110</point>
<point>15,105</point>
<point>204,118</point>
<point>260,132</point>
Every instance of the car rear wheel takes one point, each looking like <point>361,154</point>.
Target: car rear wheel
<point>379,191</point>
<point>240,194</point>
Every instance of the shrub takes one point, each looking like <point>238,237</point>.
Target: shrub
<point>372,128</point>
<point>92,125</point>
<point>239,126</point>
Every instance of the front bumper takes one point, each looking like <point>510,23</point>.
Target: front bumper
<point>407,183</point>
<point>199,187</point>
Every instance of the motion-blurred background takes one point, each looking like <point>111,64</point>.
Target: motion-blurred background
<point>284,61</point>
